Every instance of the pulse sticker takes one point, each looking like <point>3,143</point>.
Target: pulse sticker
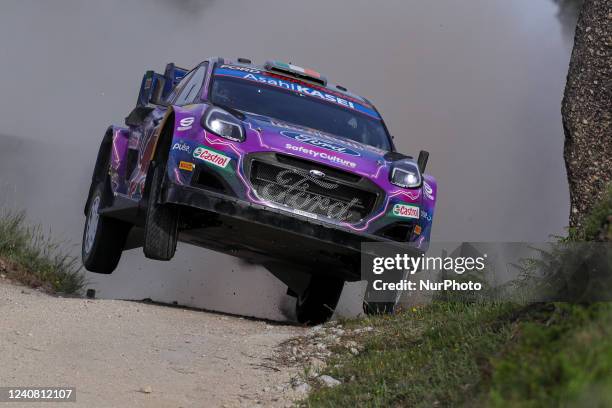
<point>314,141</point>
<point>406,211</point>
<point>182,147</point>
<point>183,165</point>
<point>211,156</point>
<point>186,123</point>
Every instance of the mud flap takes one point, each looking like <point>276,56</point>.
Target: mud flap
<point>350,304</point>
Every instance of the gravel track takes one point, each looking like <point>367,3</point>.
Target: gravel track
<point>121,353</point>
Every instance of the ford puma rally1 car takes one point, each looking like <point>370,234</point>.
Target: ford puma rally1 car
<point>272,164</point>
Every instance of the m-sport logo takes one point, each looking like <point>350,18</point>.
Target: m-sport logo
<point>317,142</point>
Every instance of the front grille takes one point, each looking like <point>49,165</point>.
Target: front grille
<point>308,165</point>
<point>275,180</point>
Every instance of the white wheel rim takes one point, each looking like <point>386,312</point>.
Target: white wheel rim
<point>92,224</point>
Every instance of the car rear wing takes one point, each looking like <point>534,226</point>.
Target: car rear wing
<point>155,88</point>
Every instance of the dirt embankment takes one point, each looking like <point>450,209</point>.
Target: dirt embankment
<point>119,353</point>
<point>587,110</point>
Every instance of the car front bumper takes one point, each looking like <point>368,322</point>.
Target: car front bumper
<point>265,234</point>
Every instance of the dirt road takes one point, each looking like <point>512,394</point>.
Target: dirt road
<point>119,353</point>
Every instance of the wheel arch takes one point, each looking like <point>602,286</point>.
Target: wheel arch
<point>101,161</point>
<point>162,146</point>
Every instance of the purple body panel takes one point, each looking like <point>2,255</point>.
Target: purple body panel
<point>267,135</point>
<point>194,146</point>
<point>118,165</point>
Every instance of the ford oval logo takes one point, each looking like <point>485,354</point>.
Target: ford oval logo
<point>320,141</point>
<point>317,174</point>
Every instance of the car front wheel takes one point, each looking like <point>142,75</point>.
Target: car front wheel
<point>161,223</point>
<point>103,237</point>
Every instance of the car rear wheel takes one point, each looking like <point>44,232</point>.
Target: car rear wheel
<point>317,303</point>
<point>161,223</point>
<point>103,237</point>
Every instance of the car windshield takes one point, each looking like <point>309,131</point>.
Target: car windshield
<point>299,109</point>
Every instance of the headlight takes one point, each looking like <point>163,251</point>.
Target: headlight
<point>224,124</point>
<point>406,175</point>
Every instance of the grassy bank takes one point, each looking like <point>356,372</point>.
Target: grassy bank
<point>29,256</point>
<point>451,354</point>
<point>480,354</point>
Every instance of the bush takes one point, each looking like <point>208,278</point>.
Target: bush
<point>31,257</point>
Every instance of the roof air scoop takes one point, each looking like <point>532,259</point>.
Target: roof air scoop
<point>296,72</point>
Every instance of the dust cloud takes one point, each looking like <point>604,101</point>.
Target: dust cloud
<point>477,83</point>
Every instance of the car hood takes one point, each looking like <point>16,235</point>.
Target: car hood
<point>315,145</point>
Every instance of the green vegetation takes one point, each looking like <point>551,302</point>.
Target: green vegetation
<point>563,360</point>
<point>598,225</point>
<point>478,353</point>
<point>436,355</point>
<point>454,354</point>
<point>29,256</point>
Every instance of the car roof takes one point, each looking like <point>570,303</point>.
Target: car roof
<point>332,87</point>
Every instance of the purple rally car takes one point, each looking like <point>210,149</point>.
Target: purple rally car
<point>272,164</point>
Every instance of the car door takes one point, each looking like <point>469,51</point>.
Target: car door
<point>187,91</point>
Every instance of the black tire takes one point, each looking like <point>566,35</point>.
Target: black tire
<point>103,237</point>
<point>161,221</point>
<point>316,305</point>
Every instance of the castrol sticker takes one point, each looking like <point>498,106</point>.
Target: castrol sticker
<point>406,211</point>
<point>211,156</point>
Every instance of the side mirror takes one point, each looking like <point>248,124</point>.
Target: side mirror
<point>422,160</point>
